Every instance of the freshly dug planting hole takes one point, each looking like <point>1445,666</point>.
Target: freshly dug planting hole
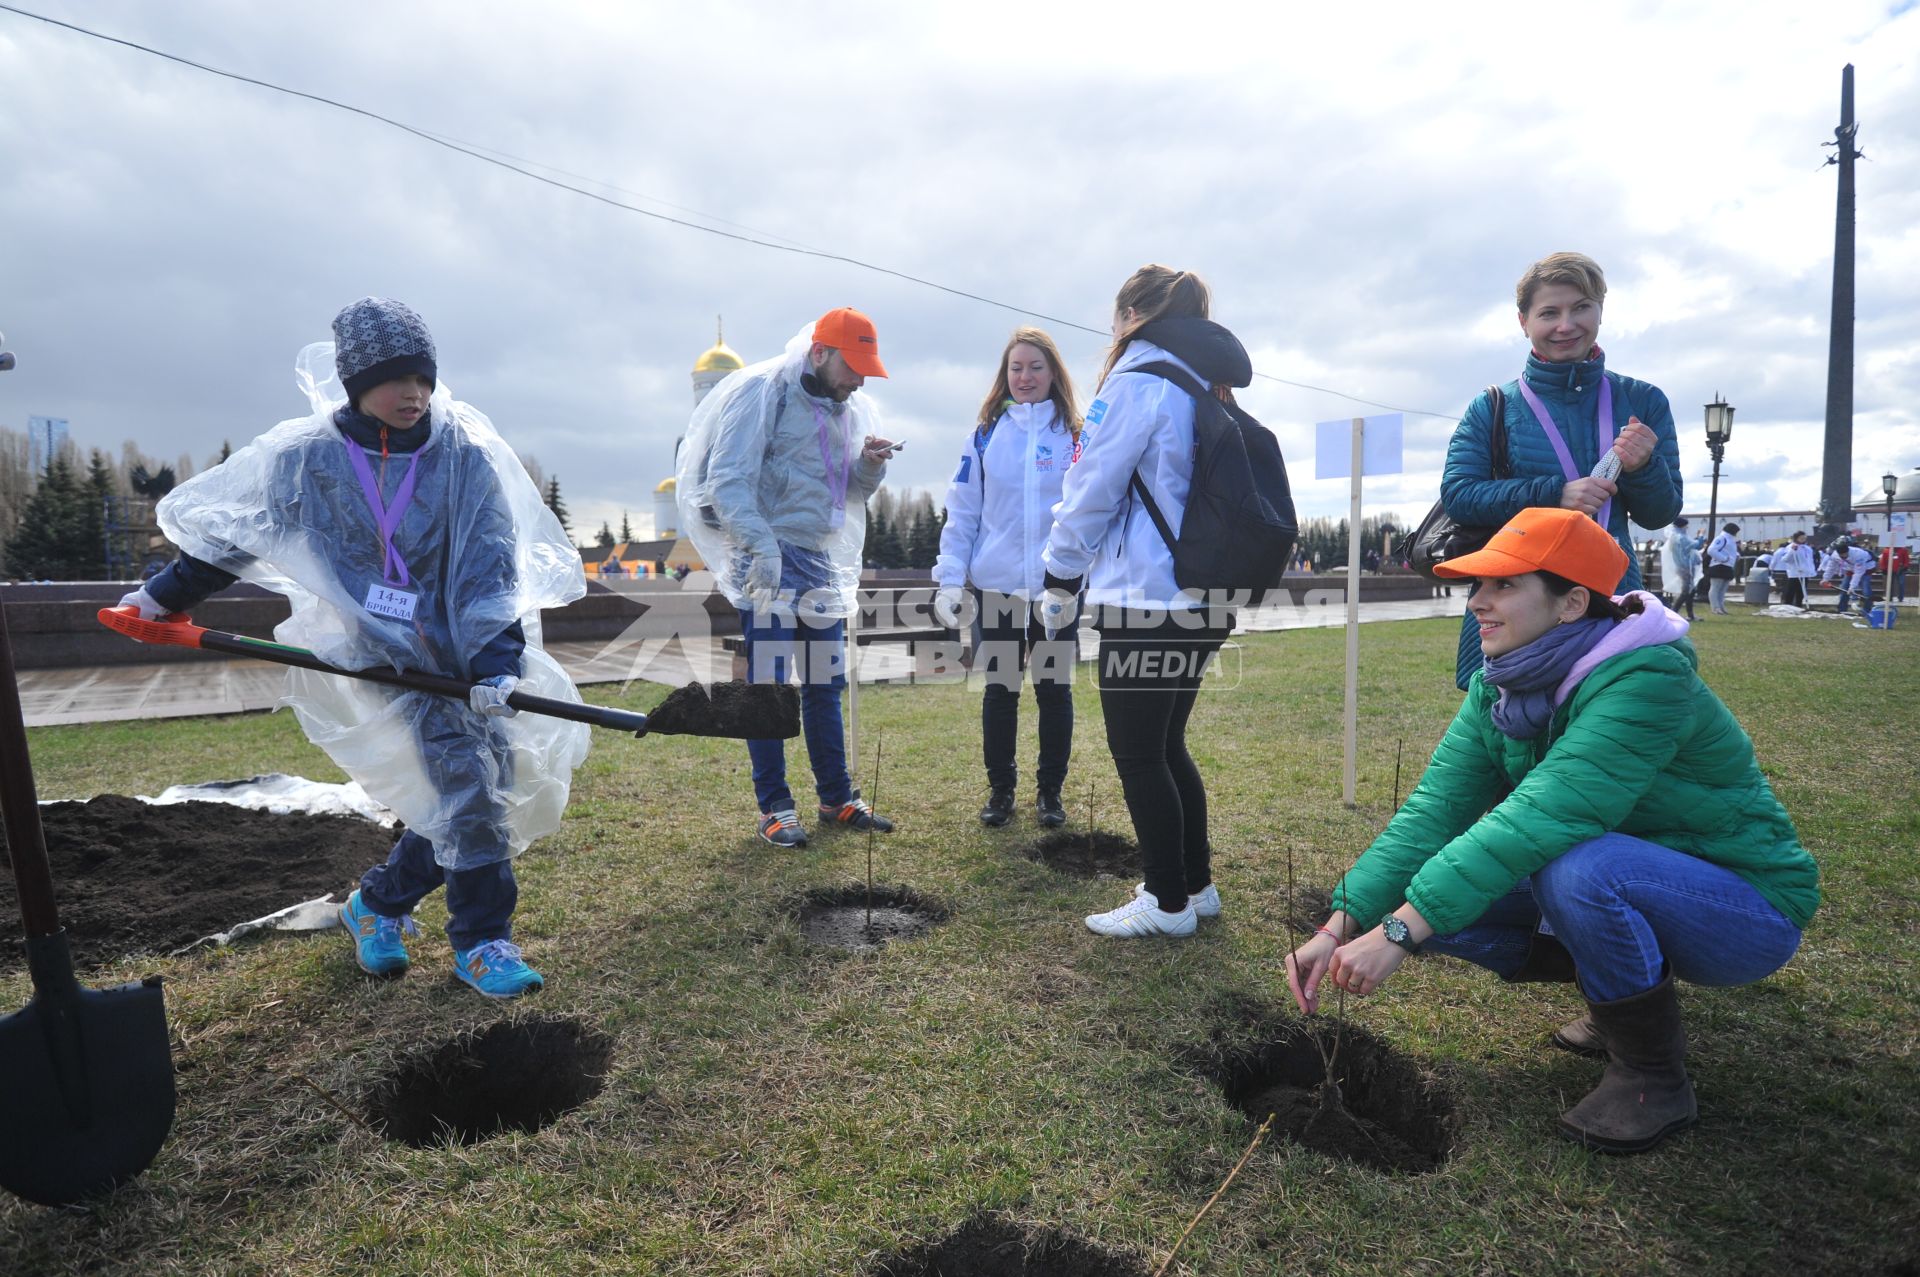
<point>1103,854</point>
<point>837,917</point>
<point>515,1074</point>
<point>134,877</point>
<point>1391,1119</point>
<point>986,1246</point>
<point>737,709</point>
<point>1310,909</point>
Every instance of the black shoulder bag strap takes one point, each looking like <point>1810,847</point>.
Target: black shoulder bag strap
<point>1497,441</point>
<point>1179,377</point>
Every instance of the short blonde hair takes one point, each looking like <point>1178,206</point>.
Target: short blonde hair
<point>1576,269</point>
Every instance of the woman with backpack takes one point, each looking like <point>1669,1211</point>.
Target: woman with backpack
<point>999,511</point>
<point>1595,815</point>
<point>1561,416</point>
<point>1136,459</point>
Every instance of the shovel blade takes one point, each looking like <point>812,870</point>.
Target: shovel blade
<point>87,1096</point>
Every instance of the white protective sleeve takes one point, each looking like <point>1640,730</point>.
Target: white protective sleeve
<point>962,532</point>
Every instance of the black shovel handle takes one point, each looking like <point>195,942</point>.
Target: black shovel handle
<point>619,720</point>
<point>26,843</point>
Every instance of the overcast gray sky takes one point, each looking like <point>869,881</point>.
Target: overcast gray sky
<point>1361,189</point>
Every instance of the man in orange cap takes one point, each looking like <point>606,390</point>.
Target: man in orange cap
<point>779,462</point>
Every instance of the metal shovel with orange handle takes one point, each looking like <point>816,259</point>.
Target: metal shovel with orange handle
<point>88,1093</point>
<point>761,711</point>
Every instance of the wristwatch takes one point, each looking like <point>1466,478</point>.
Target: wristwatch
<point>1397,932</point>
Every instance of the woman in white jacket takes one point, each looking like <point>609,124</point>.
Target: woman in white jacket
<point>1156,641</point>
<point>999,510</point>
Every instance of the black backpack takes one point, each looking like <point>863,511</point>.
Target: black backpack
<point>1239,528</point>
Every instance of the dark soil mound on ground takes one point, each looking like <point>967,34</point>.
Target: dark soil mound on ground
<point>989,1247</point>
<point>133,877</point>
<point>739,710</point>
<point>1086,855</point>
<point>839,917</point>
<point>514,1075</point>
<point>1391,1118</point>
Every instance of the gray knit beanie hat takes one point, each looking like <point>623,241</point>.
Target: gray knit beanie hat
<point>376,340</point>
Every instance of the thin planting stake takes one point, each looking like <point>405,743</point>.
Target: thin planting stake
<point>1396,775</point>
<point>879,742</point>
<point>1195,1223</point>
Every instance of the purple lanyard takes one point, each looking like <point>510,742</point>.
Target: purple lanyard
<point>836,483</point>
<point>1602,434</point>
<point>385,517</point>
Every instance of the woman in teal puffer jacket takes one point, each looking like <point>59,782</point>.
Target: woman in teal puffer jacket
<point>1594,808</point>
<point>1560,300</point>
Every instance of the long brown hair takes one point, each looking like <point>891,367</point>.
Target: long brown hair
<point>1061,394</point>
<point>1155,292</point>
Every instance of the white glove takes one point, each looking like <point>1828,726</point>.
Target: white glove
<point>946,607</point>
<point>763,579</point>
<point>489,696</point>
<point>1057,610</point>
<point>149,610</point>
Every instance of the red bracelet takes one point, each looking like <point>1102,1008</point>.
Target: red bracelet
<point>1322,931</point>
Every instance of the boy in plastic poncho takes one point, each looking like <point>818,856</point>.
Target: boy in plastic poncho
<point>779,462</point>
<point>405,534</point>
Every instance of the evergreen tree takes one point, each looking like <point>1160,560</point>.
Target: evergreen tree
<point>49,543</point>
<point>626,528</point>
<point>97,492</point>
<point>558,505</point>
<point>604,537</point>
<point>923,542</point>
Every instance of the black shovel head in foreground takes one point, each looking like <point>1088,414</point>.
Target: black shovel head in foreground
<point>86,1082</point>
<point>737,710</point>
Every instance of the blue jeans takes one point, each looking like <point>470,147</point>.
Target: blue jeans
<point>781,643</point>
<point>479,901</point>
<point>1628,910</point>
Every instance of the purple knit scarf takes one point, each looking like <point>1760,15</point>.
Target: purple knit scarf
<point>1527,676</point>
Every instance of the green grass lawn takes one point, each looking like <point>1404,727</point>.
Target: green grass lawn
<point>777,1108</point>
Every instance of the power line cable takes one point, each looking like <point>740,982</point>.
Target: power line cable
<point>487,156</point>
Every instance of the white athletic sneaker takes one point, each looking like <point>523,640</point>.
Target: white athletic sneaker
<point>1142,916</point>
<point>1205,905</point>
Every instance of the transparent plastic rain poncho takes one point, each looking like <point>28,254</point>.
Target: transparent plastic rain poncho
<point>481,551</point>
<point>755,480</point>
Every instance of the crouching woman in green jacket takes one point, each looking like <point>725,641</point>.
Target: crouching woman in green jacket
<point>1593,809</point>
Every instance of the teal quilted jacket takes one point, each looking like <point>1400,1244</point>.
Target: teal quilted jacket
<point>1641,747</point>
<point>1651,495</point>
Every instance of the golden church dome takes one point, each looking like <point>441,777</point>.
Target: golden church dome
<point>666,485</point>
<point>722,358</point>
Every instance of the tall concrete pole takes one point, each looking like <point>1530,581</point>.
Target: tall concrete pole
<point>1836,476</point>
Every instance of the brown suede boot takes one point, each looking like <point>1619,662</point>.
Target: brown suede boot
<point>1581,1037</point>
<point>1644,1095</point>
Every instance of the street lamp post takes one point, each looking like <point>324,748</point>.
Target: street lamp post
<point>1888,483</point>
<point>1719,428</point>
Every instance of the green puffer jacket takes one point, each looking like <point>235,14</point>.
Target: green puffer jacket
<point>1640,747</point>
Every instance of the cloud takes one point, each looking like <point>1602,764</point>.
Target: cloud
<point>1361,189</point>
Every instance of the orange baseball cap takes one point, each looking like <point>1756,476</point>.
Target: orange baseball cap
<point>851,333</point>
<point>1543,539</point>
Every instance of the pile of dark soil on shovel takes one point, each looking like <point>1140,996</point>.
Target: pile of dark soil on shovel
<point>517,1075</point>
<point>1074,852</point>
<point>736,709</point>
<point>133,877</point>
<point>986,1246</point>
<point>1387,1115</point>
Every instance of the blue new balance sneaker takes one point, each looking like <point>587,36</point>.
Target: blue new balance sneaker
<point>495,969</point>
<point>378,945</point>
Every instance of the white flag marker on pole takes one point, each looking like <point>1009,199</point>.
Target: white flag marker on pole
<point>1347,777</point>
